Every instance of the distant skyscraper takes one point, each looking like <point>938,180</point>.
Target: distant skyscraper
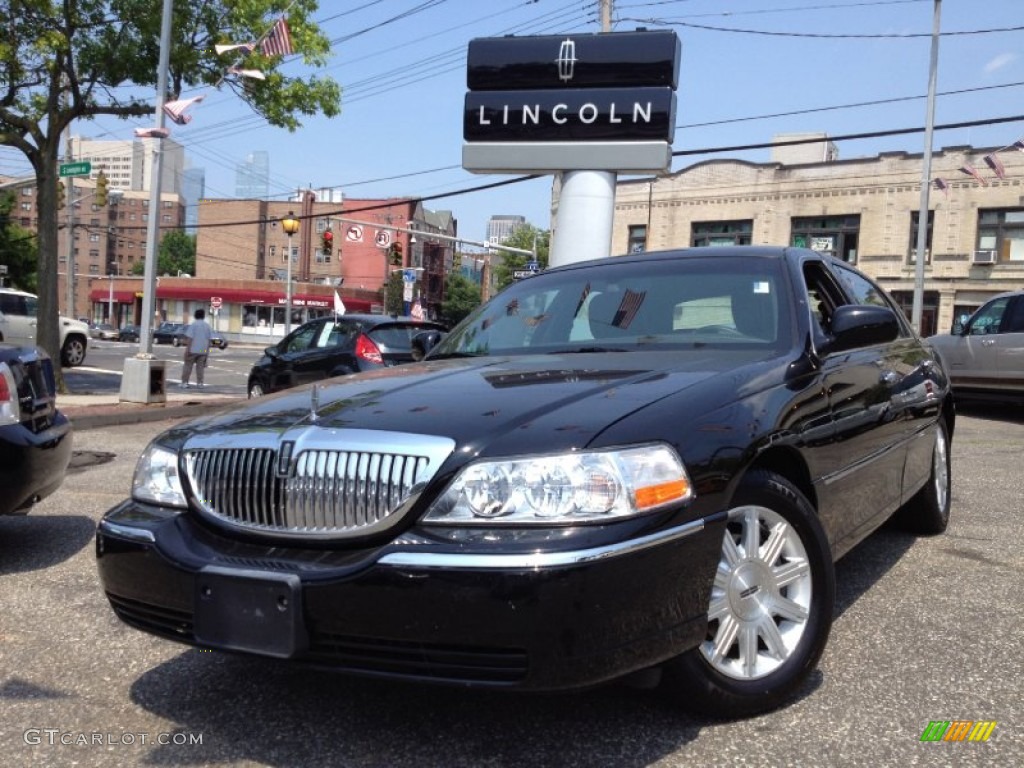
<point>193,189</point>
<point>252,178</point>
<point>500,227</point>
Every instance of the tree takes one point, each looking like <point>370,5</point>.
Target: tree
<point>78,59</point>
<point>527,237</point>
<point>17,250</point>
<point>394,304</point>
<point>461,296</point>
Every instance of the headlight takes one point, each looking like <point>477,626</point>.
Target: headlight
<point>587,487</point>
<point>156,478</point>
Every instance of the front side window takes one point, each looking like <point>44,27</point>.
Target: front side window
<point>989,318</point>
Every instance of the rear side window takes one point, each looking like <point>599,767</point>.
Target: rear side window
<point>13,304</point>
<point>397,338</point>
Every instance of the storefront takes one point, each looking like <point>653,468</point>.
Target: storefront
<point>232,307</point>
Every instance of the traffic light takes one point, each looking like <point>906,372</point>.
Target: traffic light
<point>101,188</point>
<point>396,254</point>
<point>327,242</point>
<point>60,194</point>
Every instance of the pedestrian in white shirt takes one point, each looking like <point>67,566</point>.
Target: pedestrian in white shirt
<point>198,334</point>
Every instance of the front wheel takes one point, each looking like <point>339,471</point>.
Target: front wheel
<point>73,351</point>
<point>770,610</point>
<point>928,511</point>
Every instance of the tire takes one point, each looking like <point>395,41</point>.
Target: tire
<point>927,512</point>
<point>769,614</point>
<point>176,342</point>
<point>255,389</point>
<point>73,351</point>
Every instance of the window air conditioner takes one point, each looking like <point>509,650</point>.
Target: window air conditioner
<point>985,257</point>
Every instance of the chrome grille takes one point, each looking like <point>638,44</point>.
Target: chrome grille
<point>310,490</point>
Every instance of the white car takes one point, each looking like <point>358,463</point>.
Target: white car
<point>984,355</point>
<point>18,322</point>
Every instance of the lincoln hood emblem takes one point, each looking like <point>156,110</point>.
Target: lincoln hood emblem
<point>566,60</point>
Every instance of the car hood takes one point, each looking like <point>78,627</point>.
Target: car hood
<point>491,405</point>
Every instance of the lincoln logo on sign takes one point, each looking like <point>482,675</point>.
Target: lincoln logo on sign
<point>604,101</point>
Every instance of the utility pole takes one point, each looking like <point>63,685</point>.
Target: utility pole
<point>69,200</point>
<point>926,174</point>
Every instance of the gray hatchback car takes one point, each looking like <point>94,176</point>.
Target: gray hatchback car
<point>984,355</point>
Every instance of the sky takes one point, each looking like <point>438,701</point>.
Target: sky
<point>750,69</point>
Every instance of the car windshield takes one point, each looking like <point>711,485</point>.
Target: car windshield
<point>683,303</point>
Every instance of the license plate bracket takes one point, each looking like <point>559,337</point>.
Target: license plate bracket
<point>252,611</point>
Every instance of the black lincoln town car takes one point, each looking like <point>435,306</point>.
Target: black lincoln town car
<point>647,462</point>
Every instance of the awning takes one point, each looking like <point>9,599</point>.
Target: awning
<point>233,296</point>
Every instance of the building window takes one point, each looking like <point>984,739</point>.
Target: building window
<point>1002,231</point>
<point>721,232</point>
<point>912,249</point>
<point>94,238</point>
<point>94,254</point>
<point>637,242</point>
<point>834,235</point>
<point>94,269</point>
<point>26,191</point>
<point>273,251</point>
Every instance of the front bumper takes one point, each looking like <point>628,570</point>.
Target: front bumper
<point>530,620</point>
<point>32,464</point>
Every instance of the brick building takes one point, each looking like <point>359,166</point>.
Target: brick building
<point>863,210</point>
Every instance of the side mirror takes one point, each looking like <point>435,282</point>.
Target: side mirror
<point>271,351</point>
<point>858,325</point>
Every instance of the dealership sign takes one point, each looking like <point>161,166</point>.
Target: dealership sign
<point>564,102</point>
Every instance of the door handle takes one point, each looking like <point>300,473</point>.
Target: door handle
<point>988,342</point>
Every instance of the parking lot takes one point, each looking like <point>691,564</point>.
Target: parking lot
<point>926,629</point>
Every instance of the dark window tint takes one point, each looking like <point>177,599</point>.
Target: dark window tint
<point>397,338</point>
<point>1015,320</point>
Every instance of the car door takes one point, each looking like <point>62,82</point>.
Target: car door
<point>1010,345</point>
<point>325,351</point>
<point>973,358</point>
<point>863,469</point>
<point>19,318</point>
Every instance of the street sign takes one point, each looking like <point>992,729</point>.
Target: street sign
<point>382,238</point>
<point>216,302</point>
<point>81,168</point>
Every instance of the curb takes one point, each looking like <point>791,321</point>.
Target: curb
<point>85,417</point>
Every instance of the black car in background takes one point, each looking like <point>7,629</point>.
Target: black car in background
<point>642,463</point>
<point>169,333</point>
<point>35,438</point>
<point>128,333</point>
<point>174,333</point>
<point>329,347</point>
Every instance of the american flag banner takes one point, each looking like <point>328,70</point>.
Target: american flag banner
<point>942,185</point>
<point>278,41</point>
<point>247,47</point>
<point>255,74</point>
<point>175,110</point>
<point>152,133</point>
<point>628,307</point>
<point>1019,144</point>
<point>993,162</point>
<point>970,170</point>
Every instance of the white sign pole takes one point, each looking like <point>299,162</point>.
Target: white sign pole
<point>583,223</point>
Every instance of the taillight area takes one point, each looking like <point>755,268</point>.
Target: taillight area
<point>367,350</point>
<point>10,408</point>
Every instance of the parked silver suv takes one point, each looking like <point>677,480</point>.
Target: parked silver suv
<point>18,326</point>
<point>984,355</point>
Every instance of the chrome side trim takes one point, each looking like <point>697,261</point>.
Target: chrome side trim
<point>127,532</point>
<point>536,561</point>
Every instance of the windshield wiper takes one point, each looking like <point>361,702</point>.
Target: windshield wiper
<point>583,350</point>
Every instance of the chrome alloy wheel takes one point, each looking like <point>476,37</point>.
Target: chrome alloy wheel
<point>940,470</point>
<point>761,596</point>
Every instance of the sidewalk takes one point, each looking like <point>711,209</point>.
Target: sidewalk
<point>104,410</point>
